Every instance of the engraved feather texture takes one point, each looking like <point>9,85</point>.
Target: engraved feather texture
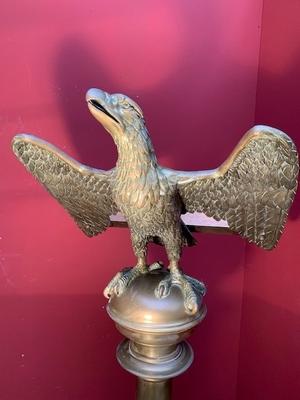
<point>84,192</point>
<point>252,190</point>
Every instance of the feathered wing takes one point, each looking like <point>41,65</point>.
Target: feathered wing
<point>252,190</point>
<point>84,192</point>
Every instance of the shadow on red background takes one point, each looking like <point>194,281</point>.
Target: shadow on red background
<point>270,325</point>
<point>170,130</point>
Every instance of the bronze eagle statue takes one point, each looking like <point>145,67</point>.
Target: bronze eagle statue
<point>252,190</point>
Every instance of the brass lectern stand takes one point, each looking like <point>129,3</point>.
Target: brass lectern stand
<point>250,193</point>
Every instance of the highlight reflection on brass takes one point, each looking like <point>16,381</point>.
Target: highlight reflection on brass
<point>252,190</point>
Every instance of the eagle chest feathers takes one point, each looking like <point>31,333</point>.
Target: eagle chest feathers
<point>137,187</point>
<point>138,184</point>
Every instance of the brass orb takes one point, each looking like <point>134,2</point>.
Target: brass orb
<point>156,328</point>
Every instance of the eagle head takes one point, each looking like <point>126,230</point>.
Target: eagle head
<point>117,113</point>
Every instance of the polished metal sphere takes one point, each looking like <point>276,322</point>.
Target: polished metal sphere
<point>156,328</point>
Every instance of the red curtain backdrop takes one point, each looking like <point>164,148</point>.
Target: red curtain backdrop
<point>204,73</point>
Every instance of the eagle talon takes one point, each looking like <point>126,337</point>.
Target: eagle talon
<point>122,280</point>
<point>198,286</point>
<point>164,288</point>
<point>192,290</point>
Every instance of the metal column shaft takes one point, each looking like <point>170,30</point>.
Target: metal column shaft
<point>150,390</point>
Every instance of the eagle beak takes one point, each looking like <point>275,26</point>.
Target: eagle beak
<point>96,94</point>
<point>99,105</point>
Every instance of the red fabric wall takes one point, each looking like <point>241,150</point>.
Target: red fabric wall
<point>269,365</point>
<point>192,66</point>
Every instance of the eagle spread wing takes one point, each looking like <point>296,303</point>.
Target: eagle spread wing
<point>84,192</point>
<point>252,190</point>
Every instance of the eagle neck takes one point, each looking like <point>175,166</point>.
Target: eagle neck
<point>135,152</point>
<point>137,181</point>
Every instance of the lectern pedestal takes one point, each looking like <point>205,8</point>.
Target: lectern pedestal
<point>155,349</point>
